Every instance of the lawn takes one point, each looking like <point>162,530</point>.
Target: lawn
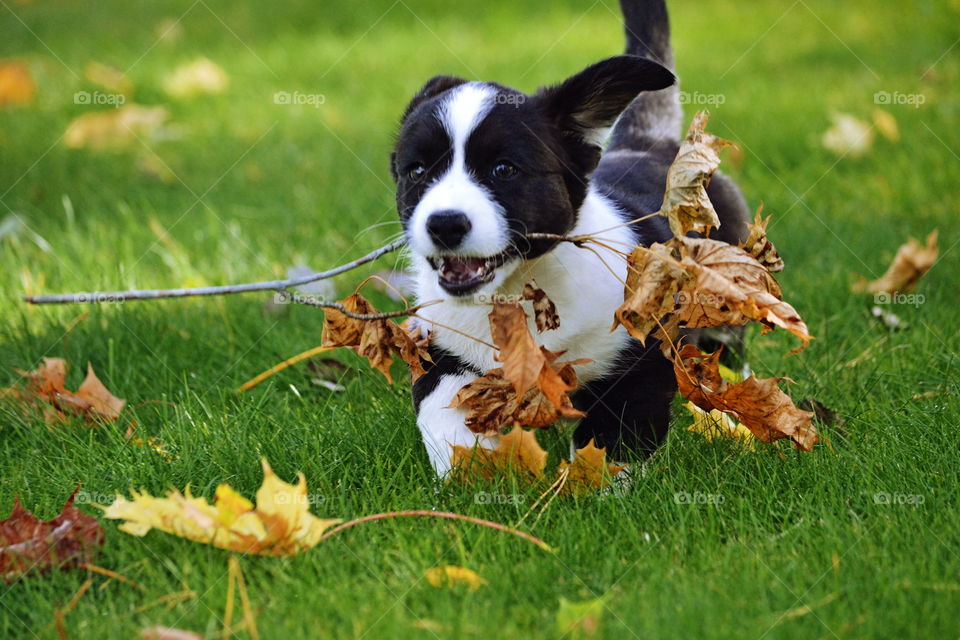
<point>858,539</point>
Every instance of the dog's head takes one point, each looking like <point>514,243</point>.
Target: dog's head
<point>479,165</point>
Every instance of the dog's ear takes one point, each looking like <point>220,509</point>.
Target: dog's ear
<point>434,87</point>
<point>590,101</point>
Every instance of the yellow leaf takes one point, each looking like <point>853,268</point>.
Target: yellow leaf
<point>718,424</point>
<point>589,472</point>
<point>17,88</point>
<point>114,129</point>
<point>886,124</point>
<point>196,78</point>
<point>453,576</point>
<point>279,525</point>
<point>517,451</point>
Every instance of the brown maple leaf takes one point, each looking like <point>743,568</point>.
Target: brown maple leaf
<point>758,403</point>
<point>521,357</point>
<point>685,202</point>
<point>653,278</point>
<point>589,472</point>
<point>47,385</point>
<point>493,404</point>
<point>908,266</point>
<point>29,544</point>
<point>544,311</point>
<point>518,452</point>
<point>758,245</point>
<point>376,340</point>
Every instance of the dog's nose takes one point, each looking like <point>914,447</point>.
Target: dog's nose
<point>447,228</point>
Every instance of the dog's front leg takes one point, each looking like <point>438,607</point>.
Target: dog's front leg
<point>441,426</point>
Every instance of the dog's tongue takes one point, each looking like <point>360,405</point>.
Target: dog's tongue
<point>456,269</point>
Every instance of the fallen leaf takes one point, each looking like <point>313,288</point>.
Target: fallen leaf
<point>544,311</point>
<point>279,525</point>
<point>29,544</point>
<point>114,129</point>
<point>580,619</point>
<point>453,576</point>
<point>518,453</point>
<point>168,633</point>
<point>848,136</point>
<point>521,357</point>
<point>376,340</point>
<point>713,424</point>
<point>758,403</point>
<point>196,78</point>
<point>686,203</point>
<point>492,403</point>
<point>108,77</point>
<point>47,385</point>
<point>653,279</point>
<point>17,88</point>
<point>759,247</point>
<point>908,266</point>
<point>589,472</point>
<point>886,124</point>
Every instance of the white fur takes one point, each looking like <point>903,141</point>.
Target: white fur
<point>456,189</point>
<point>585,290</point>
<point>443,427</point>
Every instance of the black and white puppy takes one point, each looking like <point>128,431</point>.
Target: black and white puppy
<point>479,165</point>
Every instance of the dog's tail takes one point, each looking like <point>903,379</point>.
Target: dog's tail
<point>653,116</point>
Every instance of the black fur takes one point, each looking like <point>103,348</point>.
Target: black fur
<point>444,363</point>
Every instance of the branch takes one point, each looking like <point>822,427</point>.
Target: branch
<point>156,294</point>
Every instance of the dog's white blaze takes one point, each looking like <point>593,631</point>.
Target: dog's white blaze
<point>456,189</point>
<point>443,427</point>
<point>585,289</point>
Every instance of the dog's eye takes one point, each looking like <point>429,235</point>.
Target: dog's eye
<point>504,171</point>
<point>416,172</point>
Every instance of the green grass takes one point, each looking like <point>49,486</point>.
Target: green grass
<point>283,184</point>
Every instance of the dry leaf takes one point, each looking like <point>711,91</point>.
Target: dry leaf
<point>114,129</point>
<point>168,633</point>
<point>376,340</point>
<point>849,136</point>
<point>47,384</point>
<point>759,404</point>
<point>492,403</point>
<point>17,88</point>
<point>196,78</point>
<point>29,544</point>
<point>886,124</point>
<point>685,202</point>
<point>453,576</point>
<point>520,355</point>
<point>711,424</point>
<point>759,247</point>
<point>279,525</point>
<point>589,472</point>
<point>108,77</point>
<point>908,266</point>
<point>518,453</point>
<point>653,278</point>
<point>544,311</point>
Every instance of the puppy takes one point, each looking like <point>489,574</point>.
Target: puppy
<point>479,165</point>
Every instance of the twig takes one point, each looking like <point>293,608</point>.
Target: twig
<point>437,514</point>
<point>110,574</point>
<point>289,362</point>
<point>409,311</point>
<point>154,294</point>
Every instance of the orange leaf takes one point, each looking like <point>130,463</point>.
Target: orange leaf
<point>521,358</point>
<point>908,266</point>
<point>589,472</point>
<point>47,384</point>
<point>518,451</point>
<point>16,84</point>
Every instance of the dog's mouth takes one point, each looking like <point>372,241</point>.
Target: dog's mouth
<point>461,275</point>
